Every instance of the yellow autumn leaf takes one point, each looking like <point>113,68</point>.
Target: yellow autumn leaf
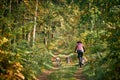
<point>20,75</point>
<point>1,51</point>
<point>5,39</point>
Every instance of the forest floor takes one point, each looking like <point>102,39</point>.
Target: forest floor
<point>78,74</point>
<point>44,75</point>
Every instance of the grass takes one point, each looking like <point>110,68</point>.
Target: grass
<point>64,73</point>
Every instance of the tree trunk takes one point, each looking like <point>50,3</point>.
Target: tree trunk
<point>10,6</point>
<point>29,37</point>
<point>45,41</point>
<point>35,23</point>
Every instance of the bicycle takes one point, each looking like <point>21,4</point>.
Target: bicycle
<point>80,61</point>
<point>80,54</point>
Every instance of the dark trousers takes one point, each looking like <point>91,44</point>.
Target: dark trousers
<point>80,53</point>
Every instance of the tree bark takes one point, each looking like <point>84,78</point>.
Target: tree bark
<point>10,6</point>
<point>35,23</point>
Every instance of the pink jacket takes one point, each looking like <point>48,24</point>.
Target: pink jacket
<point>80,47</point>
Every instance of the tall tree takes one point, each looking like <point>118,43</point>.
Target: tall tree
<point>35,21</point>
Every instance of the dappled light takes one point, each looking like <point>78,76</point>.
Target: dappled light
<point>38,39</point>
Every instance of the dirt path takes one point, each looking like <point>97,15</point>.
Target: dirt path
<point>79,75</point>
<point>44,75</point>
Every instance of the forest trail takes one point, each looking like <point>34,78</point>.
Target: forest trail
<point>77,76</point>
<point>44,75</point>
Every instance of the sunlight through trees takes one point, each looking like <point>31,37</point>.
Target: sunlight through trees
<point>32,30</point>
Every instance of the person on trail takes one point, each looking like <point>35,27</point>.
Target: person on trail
<point>80,49</point>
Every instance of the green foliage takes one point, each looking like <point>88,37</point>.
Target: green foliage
<point>60,23</point>
<point>105,66</point>
<point>32,59</point>
<point>114,52</point>
<point>10,67</point>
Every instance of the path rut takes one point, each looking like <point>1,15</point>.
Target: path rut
<point>78,75</point>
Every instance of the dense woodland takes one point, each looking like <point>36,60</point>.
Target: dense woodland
<point>32,31</point>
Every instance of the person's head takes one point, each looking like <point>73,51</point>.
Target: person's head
<point>79,42</point>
